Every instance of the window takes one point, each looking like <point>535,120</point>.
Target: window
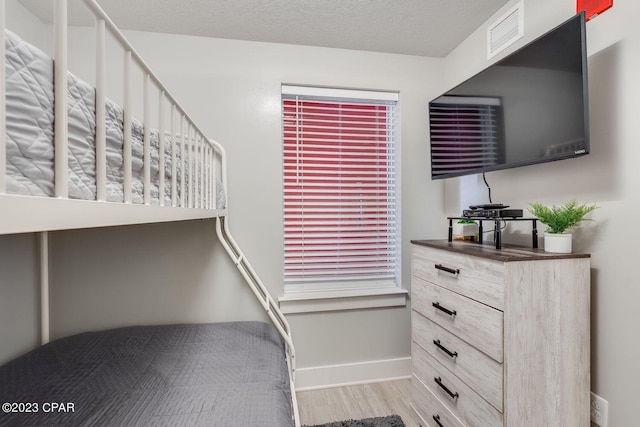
<point>341,207</point>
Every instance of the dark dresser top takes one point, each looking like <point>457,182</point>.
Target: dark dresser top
<point>506,254</point>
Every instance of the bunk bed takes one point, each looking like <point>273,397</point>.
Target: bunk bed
<point>71,158</point>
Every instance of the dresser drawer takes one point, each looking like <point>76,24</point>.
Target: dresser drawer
<point>476,369</point>
<point>478,278</point>
<point>473,322</point>
<point>465,404</point>
<point>429,407</point>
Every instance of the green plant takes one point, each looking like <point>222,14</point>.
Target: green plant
<point>467,221</point>
<point>560,218</point>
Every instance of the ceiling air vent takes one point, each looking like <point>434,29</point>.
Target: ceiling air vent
<point>505,31</point>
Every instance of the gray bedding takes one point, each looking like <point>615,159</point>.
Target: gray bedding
<point>219,374</point>
<point>29,119</point>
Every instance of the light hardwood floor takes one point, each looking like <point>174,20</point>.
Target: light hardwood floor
<point>357,402</point>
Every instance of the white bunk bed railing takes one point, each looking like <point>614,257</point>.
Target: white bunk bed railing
<point>199,157</point>
<point>257,286</point>
<point>60,113</point>
<point>199,150</point>
<point>193,182</point>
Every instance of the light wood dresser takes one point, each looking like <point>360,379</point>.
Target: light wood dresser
<point>500,337</point>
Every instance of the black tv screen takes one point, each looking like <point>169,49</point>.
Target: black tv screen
<point>530,107</point>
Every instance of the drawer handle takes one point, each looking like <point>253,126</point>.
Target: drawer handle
<point>445,310</point>
<point>436,418</point>
<point>453,395</point>
<point>447,269</point>
<point>452,354</point>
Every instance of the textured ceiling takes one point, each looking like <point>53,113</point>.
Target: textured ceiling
<point>413,27</point>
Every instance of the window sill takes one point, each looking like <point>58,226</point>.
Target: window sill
<point>310,302</point>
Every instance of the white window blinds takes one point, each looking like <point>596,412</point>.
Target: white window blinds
<point>340,201</point>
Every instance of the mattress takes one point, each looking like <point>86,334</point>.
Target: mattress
<point>30,149</point>
<point>219,374</point>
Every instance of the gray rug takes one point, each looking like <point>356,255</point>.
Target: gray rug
<point>390,421</point>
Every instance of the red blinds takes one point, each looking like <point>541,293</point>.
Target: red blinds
<point>466,134</point>
<point>339,191</point>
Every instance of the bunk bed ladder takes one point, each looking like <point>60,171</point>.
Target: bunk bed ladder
<point>268,303</point>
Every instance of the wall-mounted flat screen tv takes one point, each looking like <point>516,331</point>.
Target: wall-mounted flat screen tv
<point>530,107</point>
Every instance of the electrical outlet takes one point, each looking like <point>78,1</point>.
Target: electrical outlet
<point>599,410</point>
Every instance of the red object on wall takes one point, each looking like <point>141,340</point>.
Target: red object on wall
<point>593,7</point>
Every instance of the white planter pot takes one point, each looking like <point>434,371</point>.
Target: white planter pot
<point>557,243</point>
<point>465,231</point>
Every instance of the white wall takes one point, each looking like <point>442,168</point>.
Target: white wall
<point>136,275</point>
<point>22,22</point>
<point>609,176</point>
<point>20,301</point>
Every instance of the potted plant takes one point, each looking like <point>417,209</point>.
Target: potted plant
<point>465,229</point>
<point>560,219</point>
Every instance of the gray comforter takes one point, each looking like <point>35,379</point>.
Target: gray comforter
<point>220,374</point>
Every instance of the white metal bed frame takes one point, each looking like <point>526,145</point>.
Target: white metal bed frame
<point>205,159</point>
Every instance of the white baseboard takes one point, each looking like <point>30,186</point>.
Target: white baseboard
<point>352,373</point>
